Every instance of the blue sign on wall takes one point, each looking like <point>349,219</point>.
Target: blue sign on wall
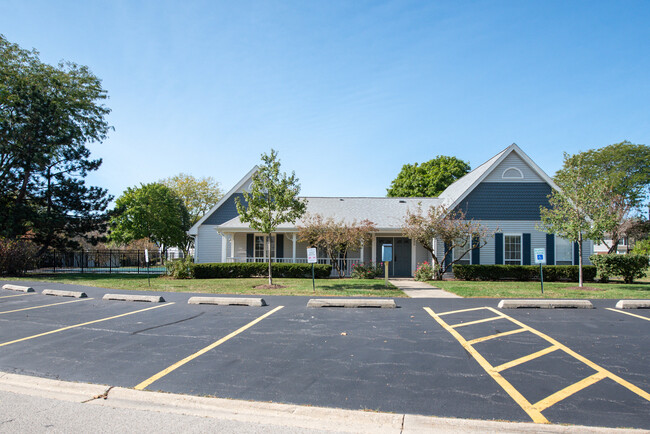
<point>386,253</point>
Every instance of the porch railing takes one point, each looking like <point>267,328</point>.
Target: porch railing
<point>346,264</point>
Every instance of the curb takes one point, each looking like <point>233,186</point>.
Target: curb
<point>60,293</point>
<point>351,302</point>
<point>228,301</point>
<point>545,304</point>
<point>633,304</point>
<point>18,288</point>
<point>129,297</point>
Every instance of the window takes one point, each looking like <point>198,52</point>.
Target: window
<point>261,248</point>
<point>512,249</point>
<point>512,173</point>
<point>563,251</point>
<point>461,247</point>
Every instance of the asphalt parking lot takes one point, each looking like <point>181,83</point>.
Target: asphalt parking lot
<point>445,357</point>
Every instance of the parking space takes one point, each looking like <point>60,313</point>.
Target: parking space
<point>455,358</point>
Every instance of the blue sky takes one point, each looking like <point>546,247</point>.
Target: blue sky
<point>347,91</point>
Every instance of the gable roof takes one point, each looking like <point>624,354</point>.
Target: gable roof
<point>195,229</point>
<point>457,191</point>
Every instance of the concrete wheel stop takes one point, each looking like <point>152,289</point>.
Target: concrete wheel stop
<point>133,297</point>
<point>18,288</point>
<point>545,304</point>
<point>59,293</point>
<point>228,301</point>
<point>351,303</point>
<point>633,304</point>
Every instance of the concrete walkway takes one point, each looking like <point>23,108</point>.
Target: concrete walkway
<point>415,289</point>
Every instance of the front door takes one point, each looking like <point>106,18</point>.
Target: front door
<point>400,266</point>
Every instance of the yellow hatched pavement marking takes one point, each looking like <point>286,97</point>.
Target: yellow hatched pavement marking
<point>462,310</point>
<point>80,325</point>
<point>478,321</point>
<point>45,305</point>
<point>18,295</point>
<point>569,390</point>
<point>642,393</point>
<point>628,313</point>
<point>497,335</point>
<point>525,359</point>
<point>534,414</point>
<point>191,357</point>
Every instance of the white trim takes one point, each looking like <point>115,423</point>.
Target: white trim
<point>521,247</point>
<point>231,238</point>
<point>195,229</point>
<point>293,242</point>
<point>373,253</point>
<point>516,169</point>
<point>224,247</point>
<point>414,264</point>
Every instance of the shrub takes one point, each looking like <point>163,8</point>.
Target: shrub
<point>523,272</point>
<point>629,267</point>
<point>366,271</point>
<point>425,271</point>
<point>255,269</point>
<point>642,247</point>
<point>16,257</point>
<point>180,268</point>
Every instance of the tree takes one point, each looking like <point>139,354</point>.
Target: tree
<point>336,238</point>
<point>199,195</point>
<point>580,208</point>
<point>427,179</point>
<point>47,116</point>
<point>451,227</point>
<point>272,200</point>
<point>625,169</point>
<point>151,211</point>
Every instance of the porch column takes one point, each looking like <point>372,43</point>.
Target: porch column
<point>231,237</point>
<point>293,250</point>
<point>224,247</point>
<point>413,258</point>
<point>373,254</point>
<point>434,246</point>
<point>361,254</point>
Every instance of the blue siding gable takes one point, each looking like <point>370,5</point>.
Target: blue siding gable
<point>227,211</point>
<point>506,201</point>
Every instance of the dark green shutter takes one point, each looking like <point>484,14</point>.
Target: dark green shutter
<point>525,243</point>
<point>498,248</point>
<point>550,249</point>
<point>576,254</point>
<point>250,239</point>
<point>448,257</point>
<point>476,253</point>
<point>279,246</point>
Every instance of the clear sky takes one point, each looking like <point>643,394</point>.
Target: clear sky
<point>347,91</point>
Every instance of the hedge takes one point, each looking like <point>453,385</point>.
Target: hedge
<point>255,269</point>
<point>552,273</point>
<point>629,267</point>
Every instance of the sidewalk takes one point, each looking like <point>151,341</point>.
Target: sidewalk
<point>415,289</point>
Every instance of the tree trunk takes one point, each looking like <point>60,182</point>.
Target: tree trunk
<point>580,260</point>
<point>268,240</point>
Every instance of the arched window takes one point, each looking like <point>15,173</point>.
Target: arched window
<point>512,173</point>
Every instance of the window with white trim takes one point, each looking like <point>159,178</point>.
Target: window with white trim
<point>462,246</point>
<point>260,250</point>
<point>512,173</point>
<point>512,249</point>
<point>563,251</point>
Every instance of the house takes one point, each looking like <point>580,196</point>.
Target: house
<point>503,194</point>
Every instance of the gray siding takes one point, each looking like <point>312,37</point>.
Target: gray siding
<point>513,160</point>
<point>227,211</point>
<point>506,201</point>
<point>209,246</point>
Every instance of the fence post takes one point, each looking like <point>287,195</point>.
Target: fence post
<point>54,262</point>
<point>82,261</point>
<point>110,261</point>
<point>137,252</point>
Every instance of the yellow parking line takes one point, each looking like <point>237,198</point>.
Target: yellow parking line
<point>459,311</point>
<point>498,335</point>
<point>569,390</point>
<point>642,393</point>
<point>80,325</point>
<point>628,313</point>
<point>525,359</point>
<point>191,357</point>
<point>18,295</point>
<point>478,321</point>
<point>534,414</point>
<point>45,305</point>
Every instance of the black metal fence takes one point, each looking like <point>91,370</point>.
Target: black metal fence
<point>101,261</point>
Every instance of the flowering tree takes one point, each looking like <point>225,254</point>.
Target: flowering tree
<point>455,231</point>
<point>336,238</point>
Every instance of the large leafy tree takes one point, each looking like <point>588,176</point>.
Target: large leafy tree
<point>624,168</point>
<point>198,194</point>
<point>335,237</point>
<point>449,226</point>
<point>428,179</point>
<point>48,114</point>
<point>580,209</point>
<point>151,211</point>
<point>272,200</point>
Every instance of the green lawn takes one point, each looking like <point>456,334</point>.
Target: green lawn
<point>614,290</point>
<point>324,287</point>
